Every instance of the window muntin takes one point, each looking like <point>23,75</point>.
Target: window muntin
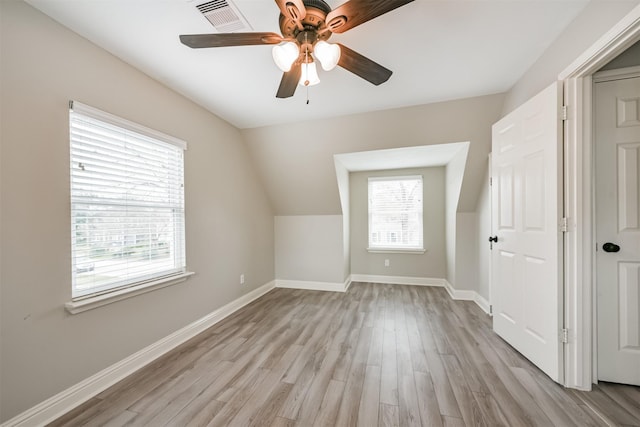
<point>127,203</point>
<point>395,213</point>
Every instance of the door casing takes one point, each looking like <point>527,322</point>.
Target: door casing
<point>580,313</point>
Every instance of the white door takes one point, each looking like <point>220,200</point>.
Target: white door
<point>526,284</point>
<point>617,140</point>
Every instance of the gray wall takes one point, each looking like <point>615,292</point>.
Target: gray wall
<point>467,267</point>
<point>229,222</point>
<point>296,161</point>
<point>309,248</point>
<point>431,264</point>
<point>483,230</point>
<point>454,175</point>
<point>342,176</point>
<point>628,58</point>
<point>596,19</point>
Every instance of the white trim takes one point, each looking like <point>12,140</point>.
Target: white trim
<point>466,295</point>
<point>611,44</point>
<point>456,294</point>
<point>314,286</point>
<point>578,239</point>
<point>398,280</point>
<point>89,303</point>
<point>459,294</point>
<point>395,178</point>
<point>617,74</point>
<point>488,308</point>
<point>483,303</point>
<point>396,251</point>
<point>580,312</point>
<point>95,113</point>
<point>74,396</point>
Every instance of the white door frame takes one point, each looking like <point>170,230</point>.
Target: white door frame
<point>580,314</point>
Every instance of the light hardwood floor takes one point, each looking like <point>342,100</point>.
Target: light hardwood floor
<point>382,355</point>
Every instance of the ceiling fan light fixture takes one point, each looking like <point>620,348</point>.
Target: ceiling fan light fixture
<point>309,75</point>
<point>328,54</point>
<point>285,55</point>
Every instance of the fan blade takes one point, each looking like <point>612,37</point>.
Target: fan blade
<point>293,9</point>
<point>362,66</point>
<point>289,82</point>
<point>197,41</point>
<point>356,12</point>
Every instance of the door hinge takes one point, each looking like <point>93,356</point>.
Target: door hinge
<point>490,181</point>
<point>564,225</point>
<point>565,114</point>
<point>564,335</point>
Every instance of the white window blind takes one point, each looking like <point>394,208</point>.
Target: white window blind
<point>127,202</point>
<point>395,213</point>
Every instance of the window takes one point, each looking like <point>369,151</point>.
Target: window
<point>395,213</point>
<point>127,203</point>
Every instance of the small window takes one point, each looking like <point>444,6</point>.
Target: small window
<point>395,213</point>
<point>127,203</point>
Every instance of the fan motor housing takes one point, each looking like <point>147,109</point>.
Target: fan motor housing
<point>314,21</point>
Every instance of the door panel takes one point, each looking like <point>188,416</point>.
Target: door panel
<point>505,183</point>
<point>507,299</point>
<point>526,275</point>
<point>534,206</point>
<point>534,274</point>
<point>628,318</point>
<point>628,209</point>
<point>617,148</point>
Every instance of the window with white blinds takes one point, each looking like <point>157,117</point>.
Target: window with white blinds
<point>127,203</point>
<point>395,213</point>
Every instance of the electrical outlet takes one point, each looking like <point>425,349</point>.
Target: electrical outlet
<point>386,263</point>
<point>242,279</point>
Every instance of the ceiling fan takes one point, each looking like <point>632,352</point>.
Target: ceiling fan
<point>306,25</point>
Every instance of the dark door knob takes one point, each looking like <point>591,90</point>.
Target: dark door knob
<point>610,247</point>
<point>493,239</point>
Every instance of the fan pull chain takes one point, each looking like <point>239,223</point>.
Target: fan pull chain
<point>306,64</point>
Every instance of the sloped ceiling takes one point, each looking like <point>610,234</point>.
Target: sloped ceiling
<point>296,161</point>
<point>438,50</point>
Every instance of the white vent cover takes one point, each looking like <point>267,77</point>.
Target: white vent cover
<point>224,16</point>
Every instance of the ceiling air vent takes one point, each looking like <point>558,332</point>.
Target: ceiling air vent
<point>224,16</point>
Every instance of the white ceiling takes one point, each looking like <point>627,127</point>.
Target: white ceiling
<point>438,50</point>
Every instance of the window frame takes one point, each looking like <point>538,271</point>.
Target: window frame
<point>120,289</point>
<point>378,246</point>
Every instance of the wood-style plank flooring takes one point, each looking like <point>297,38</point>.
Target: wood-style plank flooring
<point>378,355</point>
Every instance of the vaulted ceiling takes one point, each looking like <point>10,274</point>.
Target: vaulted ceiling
<point>437,50</point>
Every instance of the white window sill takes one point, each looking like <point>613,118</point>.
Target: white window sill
<point>91,302</point>
<point>395,251</point>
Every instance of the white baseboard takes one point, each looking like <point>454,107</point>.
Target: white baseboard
<point>314,286</point>
<point>459,294</point>
<point>466,295</point>
<point>483,304</point>
<point>456,294</point>
<point>74,396</point>
<point>398,280</point>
